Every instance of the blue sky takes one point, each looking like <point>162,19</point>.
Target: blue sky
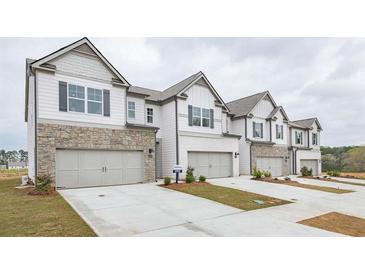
<point>322,77</point>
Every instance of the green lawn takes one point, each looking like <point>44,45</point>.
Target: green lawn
<point>25,215</point>
<point>228,196</point>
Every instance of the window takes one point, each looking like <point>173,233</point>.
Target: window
<point>131,110</point>
<point>150,115</point>
<point>94,101</point>
<point>315,139</point>
<point>258,130</point>
<point>298,138</point>
<point>76,98</point>
<point>197,115</point>
<point>279,132</point>
<point>205,117</point>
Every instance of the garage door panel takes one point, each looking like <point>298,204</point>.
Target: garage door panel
<point>272,164</point>
<point>85,168</point>
<point>211,164</point>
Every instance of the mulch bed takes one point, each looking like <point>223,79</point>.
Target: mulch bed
<point>182,185</point>
<point>337,222</point>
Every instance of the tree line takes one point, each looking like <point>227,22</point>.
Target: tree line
<point>345,159</point>
<point>13,156</point>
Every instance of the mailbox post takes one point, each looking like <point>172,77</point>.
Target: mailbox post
<point>177,169</point>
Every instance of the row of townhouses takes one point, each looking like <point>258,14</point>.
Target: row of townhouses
<point>88,126</point>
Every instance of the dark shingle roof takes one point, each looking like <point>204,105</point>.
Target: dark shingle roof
<point>243,106</point>
<point>155,95</point>
<point>306,123</point>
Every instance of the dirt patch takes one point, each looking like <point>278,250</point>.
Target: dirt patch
<point>337,222</point>
<point>332,180</point>
<point>297,184</point>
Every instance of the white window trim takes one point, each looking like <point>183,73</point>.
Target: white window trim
<point>150,115</point>
<point>261,136</point>
<point>201,117</point>
<point>129,109</point>
<point>300,135</point>
<point>85,100</point>
<point>102,102</point>
<point>279,132</point>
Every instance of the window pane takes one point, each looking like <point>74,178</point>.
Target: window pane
<point>94,94</point>
<point>76,105</point>
<point>94,107</point>
<point>149,119</point>
<point>131,114</point>
<point>76,91</point>
<point>205,122</point>
<point>206,113</point>
<point>196,111</point>
<point>196,121</point>
<point>131,105</point>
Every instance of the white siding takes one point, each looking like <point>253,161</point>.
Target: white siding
<point>314,130</point>
<point>31,129</point>
<point>205,144</point>
<point>199,96</point>
<point>168,135</point>
<point>262,109</point>
<point>47,84</point>
<point>305,140</point>
<point>140,110</point>
<point>224,122</point>
<point>279,122</point>
<point>156,117</point>
<point>82,64</point>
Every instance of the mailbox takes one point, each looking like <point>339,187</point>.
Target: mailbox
<point>177,169</point>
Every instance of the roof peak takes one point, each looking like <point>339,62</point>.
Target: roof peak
<point>248,96</point>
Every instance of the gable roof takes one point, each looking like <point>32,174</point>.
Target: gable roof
<point>42,61</point>
<point>176,89</point>
<point>306,123</point>
<point>275,110</point>
<point>243,106</point>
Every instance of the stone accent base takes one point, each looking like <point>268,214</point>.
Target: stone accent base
<point>53,136</point>
<point>262,150</point>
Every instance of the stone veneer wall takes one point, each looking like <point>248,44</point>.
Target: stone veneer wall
<point>53,136</point>
<point>261,150</point>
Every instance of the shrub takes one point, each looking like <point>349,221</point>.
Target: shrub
<point>167,180</point>
<point>257,173</point>
<point>334,173</point>
<point>44,183</point>
<point>267,174</point>
<point>306,172</point>
<point>202,179</point>
<point>190,171</point>
<point>189,179</point>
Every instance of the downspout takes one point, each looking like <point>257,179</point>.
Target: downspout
<point>245,128</point>
<point>35,130</point>
<point>308,138</point>
<point>270,130</point>
<point>250,158</point>
<point>177,131</point>
<point>156,155</point>
<point>126,105</point>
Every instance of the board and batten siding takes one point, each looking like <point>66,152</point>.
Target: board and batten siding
<point>263,109</point>
<point>168,135</point>
<point>314,130</point>
<point>199,96</point>
<point>48,100</point>
<point>82,64</point>
<point>31,129</point>
<point>279,121</point>
<point>140,110</point>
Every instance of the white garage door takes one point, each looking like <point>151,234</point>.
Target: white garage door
<point>211,164</point>
<point>272,164</point>
<point>311,164</point>
<point>86,168</point>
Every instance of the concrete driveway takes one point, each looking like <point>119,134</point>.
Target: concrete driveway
<point>149,210</point>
